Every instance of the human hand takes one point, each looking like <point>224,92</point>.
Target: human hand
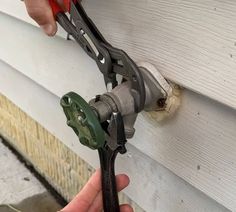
<point>41,12</point>
<point>90,197</point>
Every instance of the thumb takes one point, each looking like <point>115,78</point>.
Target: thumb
<point>41,12</point>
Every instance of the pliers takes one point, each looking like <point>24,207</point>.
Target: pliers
<point>110,60</point>
<point>115,143</point>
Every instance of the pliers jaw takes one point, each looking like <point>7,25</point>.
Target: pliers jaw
<point>115,138</point>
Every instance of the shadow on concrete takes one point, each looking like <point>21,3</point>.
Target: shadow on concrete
<point>44,202</point>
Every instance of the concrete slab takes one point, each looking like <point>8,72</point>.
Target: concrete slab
<point>20,190</point>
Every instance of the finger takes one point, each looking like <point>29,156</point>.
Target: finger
<point>41,12</point>
<point>84,199</point>
<point>126,208</point>
<point>122,181</point>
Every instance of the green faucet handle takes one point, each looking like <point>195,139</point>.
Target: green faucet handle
<point>82,119</point>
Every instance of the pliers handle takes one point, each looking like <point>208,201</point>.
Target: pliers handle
<point>56,8</point>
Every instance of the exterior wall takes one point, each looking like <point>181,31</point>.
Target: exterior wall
<point>197,145</point>
<point>153,187</point>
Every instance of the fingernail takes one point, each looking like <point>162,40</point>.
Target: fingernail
<point>48,29</point>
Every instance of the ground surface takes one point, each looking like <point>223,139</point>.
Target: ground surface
<point>20,190</point>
